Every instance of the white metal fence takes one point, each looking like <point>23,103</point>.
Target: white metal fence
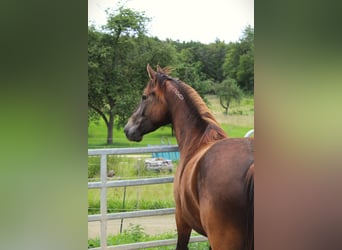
<point>103,184</point>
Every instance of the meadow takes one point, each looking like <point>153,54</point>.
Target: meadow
<point>130,198</point>
<point>237,123</point>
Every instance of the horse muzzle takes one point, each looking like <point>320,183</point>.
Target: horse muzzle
<point>132,133</point>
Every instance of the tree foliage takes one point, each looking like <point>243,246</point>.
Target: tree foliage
<point>117,58</point>
<point>239,61</point>
<point>229,91</point>
<point>119,52</point>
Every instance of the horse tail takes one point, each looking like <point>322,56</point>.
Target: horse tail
<point>250,207</point>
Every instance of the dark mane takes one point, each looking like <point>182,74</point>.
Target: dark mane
<point>163,74</point>
<point>199,111</point>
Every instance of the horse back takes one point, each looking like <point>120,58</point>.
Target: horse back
<point>223,176</point>
<point>212,184</point>
<point>226,164</point>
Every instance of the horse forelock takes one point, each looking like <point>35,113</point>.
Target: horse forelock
<point>166,70</point>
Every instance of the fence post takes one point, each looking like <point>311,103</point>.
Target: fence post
<point>123,207</point>
<point>103,184</point>
<point>249,133</point>
<point>103,202</point>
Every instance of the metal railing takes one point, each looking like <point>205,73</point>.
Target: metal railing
<point>103,184</point>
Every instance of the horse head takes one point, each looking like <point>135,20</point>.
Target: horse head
<point>152,111</point>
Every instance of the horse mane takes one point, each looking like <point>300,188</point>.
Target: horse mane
<point>212,129</point>
<point>199,111</point>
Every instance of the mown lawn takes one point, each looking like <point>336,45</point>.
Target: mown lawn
<point>97,136</point>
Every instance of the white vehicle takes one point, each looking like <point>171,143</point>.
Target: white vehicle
<point>158,164</point>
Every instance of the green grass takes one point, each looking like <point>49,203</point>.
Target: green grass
<point>244,107</point>
<point>135,233</point>
<point>136,197</point>
<point>97,137</point>
<point>237,123</point>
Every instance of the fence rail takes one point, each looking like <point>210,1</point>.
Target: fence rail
<point>126,151</point>
<point>103,184</point>
<point>147,244</point>
<point>103,217</point>
<point>127,183</point>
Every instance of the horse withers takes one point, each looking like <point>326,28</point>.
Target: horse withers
<point>214,180</point>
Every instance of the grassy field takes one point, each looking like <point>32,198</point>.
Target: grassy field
<point>97,136</point>
<point>239,114</point>
<point>136,197</point>
<point>237,123</point>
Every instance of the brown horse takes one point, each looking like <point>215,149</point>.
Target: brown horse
<point>214,181</point>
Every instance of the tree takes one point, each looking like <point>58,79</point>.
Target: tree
<point>117,59</point>
<point>215,54</point>
<point>229,91</point>
<point>239,61</point>
<point>245,71</point>
<point>109,56</point>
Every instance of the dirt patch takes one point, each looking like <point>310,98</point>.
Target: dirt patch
<point>152,225</point>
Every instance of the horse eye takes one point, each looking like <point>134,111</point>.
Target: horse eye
<point>144,97</point>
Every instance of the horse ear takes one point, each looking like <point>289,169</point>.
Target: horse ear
<point>159,69</point>
<point>151,72</point>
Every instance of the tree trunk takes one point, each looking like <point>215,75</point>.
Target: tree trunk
<point>223,105</point>
<point>227,107</point>
<point>110,126</point>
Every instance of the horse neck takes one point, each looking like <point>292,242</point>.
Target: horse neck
<point>188,135</point>
<point>193,128</point>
